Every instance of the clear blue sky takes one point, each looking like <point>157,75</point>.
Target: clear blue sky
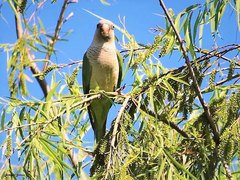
<point>140,17</point>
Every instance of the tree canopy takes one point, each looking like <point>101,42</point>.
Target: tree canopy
<point>178,123</point>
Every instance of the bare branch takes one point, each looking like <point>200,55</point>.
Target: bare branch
<point>56,33</point>
<point>41,82</point>
<point>116,124</point>
<point>220,54</point>
<point>124,105</point>
<point>207,89</point>
<point>211,54</point>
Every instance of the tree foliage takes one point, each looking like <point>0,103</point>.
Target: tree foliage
<point>181,123</point>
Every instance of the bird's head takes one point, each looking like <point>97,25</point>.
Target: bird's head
<point>105,30</point>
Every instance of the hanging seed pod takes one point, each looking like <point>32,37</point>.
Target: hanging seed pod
<point>9,147</point>
<point>73,77</point>
<point>212,78</point>
<point>231,69</point>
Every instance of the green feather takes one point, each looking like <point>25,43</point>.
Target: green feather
<point>120,64</point>
<point>86,75</point>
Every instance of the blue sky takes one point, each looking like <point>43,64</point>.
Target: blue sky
<point>140,16</point>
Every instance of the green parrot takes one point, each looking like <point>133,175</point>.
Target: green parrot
<point>102,70</point>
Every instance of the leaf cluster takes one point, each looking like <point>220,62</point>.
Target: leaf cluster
<point>162,130</point>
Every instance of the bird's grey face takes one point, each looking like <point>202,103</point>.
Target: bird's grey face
<point>106,29</point>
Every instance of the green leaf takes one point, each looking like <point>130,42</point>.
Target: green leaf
<point>105,2</point>
<point>192,7</point>
<point>196,25</point>
<point>3,115</point>
<point>63,150</point>
<point>178,79</point>
<point>177,164</point>
<point>200,37</point>
<point>238,13</point>
<point>54,155</point>
<point>41,25</point>
<point>54,86</point>
<point>21,119</point>
<point>177,21</point>
<point>151,96</point>
<point>212,17</point>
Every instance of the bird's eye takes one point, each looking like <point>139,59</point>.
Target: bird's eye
<point>113,27</point>
<point>98,25</point>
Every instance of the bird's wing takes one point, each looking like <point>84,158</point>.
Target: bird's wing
<point>86,77</point>
<point>120,64</point>
<point>87,72</point>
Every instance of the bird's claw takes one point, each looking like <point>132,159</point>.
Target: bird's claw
<point>119,90</point>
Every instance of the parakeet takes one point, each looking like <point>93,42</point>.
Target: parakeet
<point>102,70</point>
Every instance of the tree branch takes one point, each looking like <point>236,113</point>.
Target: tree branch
<point>33,66</point>
<point>210,54</point>
<point>165,121</point>
<point>207,89</point>
<point>220,54</point>
<point>192,74</point>
<point>124,105</point>
<point>56,34</point>
<point>115,128</point>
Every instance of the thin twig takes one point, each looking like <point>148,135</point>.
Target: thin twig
<point>117,121</point>
<point>115,128</point>
<point>69,64</point>
<point>192,74</point>
<point>165,121</point>
<point>219,54</point>
<point>56,34</point>
<point>42,82</point>
<point>211,54</point>
<point>227,169</point>
<point>220,70</point>
<point>21,126</point>
<point>221,82</point>
<point>40,4</point>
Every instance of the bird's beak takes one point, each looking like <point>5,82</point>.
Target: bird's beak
<point>105,29</point>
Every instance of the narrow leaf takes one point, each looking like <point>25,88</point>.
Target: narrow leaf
<point>3,115</point>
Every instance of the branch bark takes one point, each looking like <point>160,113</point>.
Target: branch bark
<point>192,74</point>
<point>33,66</point>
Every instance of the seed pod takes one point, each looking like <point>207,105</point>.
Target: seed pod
<point>231,69</point>
<point>212,78</point>
<point>9,147</point>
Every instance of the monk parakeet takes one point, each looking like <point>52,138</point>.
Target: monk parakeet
<point>101,71</point>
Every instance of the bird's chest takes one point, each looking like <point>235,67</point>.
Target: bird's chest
<point>105,69</point>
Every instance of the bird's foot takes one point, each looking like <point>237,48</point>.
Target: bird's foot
<point>119,90</point>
